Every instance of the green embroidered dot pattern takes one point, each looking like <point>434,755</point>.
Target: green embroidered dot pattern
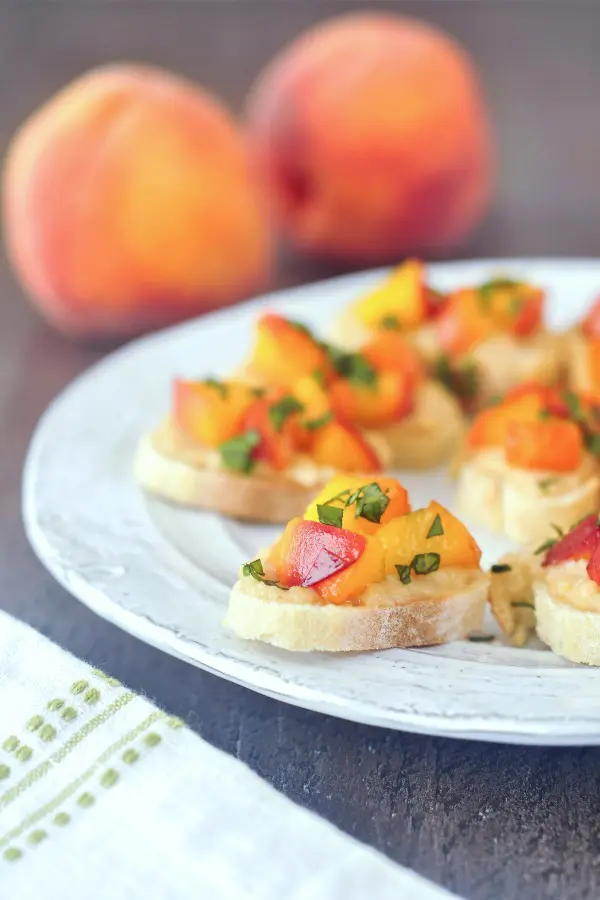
<point>24,753</point>
<point>86,800</point>
<point>55,705</point>
<point>152,739</point>
<point>78,687</point>
<point>68,714</point>
<point>113,682</point>
<point>37,836</point>
<point>61,819</point>
<point>92,696</point>
<point>47,733</point>
<point>10,744</point>
<point>12,853</point>
<point>130,756</point>
<point>34,723</point>
<point>4,772</point>
<point>110,777</point>
<point>174,722</point>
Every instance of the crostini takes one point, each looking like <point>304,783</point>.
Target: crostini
<point>558,588</point>
<point>382,388</point>
<point>360,571</point>
<point>581,348</point>
<point>480,341</point>
<point>530,462</point>
<point>246,452</point>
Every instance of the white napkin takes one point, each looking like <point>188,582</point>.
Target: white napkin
<point>105,797</point>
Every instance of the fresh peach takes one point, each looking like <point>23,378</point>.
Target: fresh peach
<point>342,446</point>
<point>371,136</point>
<point>128,204</point>
<point>210,412</point>
<point>341,489</point>
<point>284,351</point>
<point>390,399</point>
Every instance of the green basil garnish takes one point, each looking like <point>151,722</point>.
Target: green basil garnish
<point>330,515</point>
<point>256,570</point>
<point>437,528</point>
<point>281,410</point>
<point>236,453</point>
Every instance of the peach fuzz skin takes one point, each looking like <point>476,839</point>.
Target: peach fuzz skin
<point>371,135</point>
<point>128,204</point>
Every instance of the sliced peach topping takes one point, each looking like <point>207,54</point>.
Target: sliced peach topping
<point>389,399</point>
<point>490,427</point>
<point>399,301</point>
<point>433,535</point>
<point>463,323</point>
<point>388,351</point>
<point>360,506</point>
<point>348,584</point>
<point>342,446</point>
<point>554,445</point>
<point>275,420</point>
<point>285,351</point>
<point>210,411</point>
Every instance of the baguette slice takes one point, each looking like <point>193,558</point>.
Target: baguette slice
<point>522,504</point>
<point>569,632</point>
<point>180,472</point>
<point>255,613</point>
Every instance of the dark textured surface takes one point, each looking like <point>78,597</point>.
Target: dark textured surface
<point>486,821</point>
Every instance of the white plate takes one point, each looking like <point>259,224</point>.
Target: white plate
<point>164,574</point>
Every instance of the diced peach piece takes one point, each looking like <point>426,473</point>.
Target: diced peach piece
<point>490,426</point>
<point>309,552</point>
<point>516,307</point>
<point>400,297</point>
<point>406,537</point>
<point>278,444</point>
<point>389,351</point>
<point>349,583</point>
<point>463,323</point>
<point>210,412</point>
<point>342,446</point>
<point>284,352</point>
<point>591,324</point>
<point>390,399</point>
<point>554,445</point>
<point>337,492</point>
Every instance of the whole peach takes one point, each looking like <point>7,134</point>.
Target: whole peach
<point>371,135</point>
<point>128,204</point>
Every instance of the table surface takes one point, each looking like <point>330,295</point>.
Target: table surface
<point>486,821</point>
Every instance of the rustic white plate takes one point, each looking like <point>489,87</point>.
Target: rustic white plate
<point>164,574</point>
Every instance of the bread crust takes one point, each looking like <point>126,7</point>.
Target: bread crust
<point>569,632</point>
<point>345,628</point>
<point>251,498</point>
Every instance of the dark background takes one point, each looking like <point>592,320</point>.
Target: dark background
<point>486,821</point>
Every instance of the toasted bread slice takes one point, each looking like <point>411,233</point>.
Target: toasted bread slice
<point>525,504</point>
<point>186,475</point>
<point>431,434</point>
<point>444,607</point>
<point>569,632</point>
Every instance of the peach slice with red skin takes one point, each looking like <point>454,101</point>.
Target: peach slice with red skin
<point>278,442</point>
<point>388,351</point>
<point>490,426</point>
<point>579,543</point>
<point>210,412</point>
<point>430,530</point>
<point>388,400</point>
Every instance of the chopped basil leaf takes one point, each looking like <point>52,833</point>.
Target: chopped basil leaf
<point>522,604</point>
<point>478,637</point>
<point>258,392</point>
<point>352,366</point>
<point>437,528</point>
<point>425,563</point>
<point>256,570</point>
<point>301,327</point>
<point>219,386</point>
<point>547,545</point>
<point>546,483</point>
<point>573,405</point>
<point>330,515</point>
<point>500,568</point>
<point>319,376</point>
<point>390,323</point>
<point>236,453</point>
<point>371,502</point>
<point>313,424</point>
<point>592,442</point>
<point>341,496</point>
<point>495,284</point>
<point>557,529</point>
<point>544,415</point>
<point>461,379</point>
<point>404,574</point>
<point>280,411</point>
